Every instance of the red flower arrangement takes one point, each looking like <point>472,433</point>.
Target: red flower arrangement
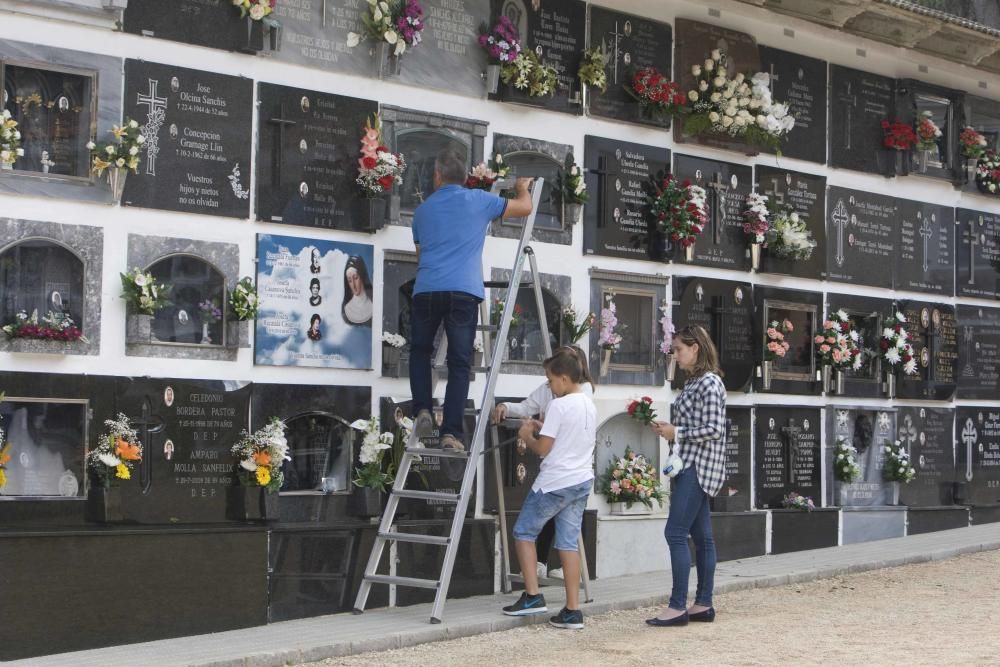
<point>973,143</point>
<point>378,167</point>
<point>642,410</point>
<point>51,327</point>
<point>898,136</point>
<point>657,94</point>
<point>679,208</point>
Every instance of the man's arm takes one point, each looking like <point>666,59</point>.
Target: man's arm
<point>417,246</point>
<point>520,206</point>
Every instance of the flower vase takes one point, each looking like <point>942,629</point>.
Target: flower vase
<point>671,367</point>
<point>238,333</point>
<point>254,38</point>
<point>104,504</point>
<point>689,253</point>
<point>365,502</point>
<point>376,214</point>
<point>637,509</point>
<point>970,169</point>
<point>251,503</point>
<point>572,213</point>
<point>274,37</point>
<point>116,179</point>
<point>839,379</point>
<point>765,374</point>
<point>899,163</point>
<point>755,256</point>
<point>890,385</point>
<point>605,361</point>
<point>206,338</point>
<point>386,64</point>
<point>827,377</point>
<point>390,359</point>
<point>922,157</point>
<point>138,329</point>
<point>492,79</point>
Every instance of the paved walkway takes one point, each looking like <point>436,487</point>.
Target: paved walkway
<point>344,634</point>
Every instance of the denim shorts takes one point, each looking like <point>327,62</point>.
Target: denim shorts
<point>566,505</point>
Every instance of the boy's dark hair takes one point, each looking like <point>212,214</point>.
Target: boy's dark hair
<point>562,363</point>
<point>581,357</point>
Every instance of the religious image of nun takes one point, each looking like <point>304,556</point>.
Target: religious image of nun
<point>357,307</point>
<point>315,299</point>
<point>314,261</point>
<point>314,332</point>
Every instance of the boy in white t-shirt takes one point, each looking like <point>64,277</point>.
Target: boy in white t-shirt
<point>564,482</point>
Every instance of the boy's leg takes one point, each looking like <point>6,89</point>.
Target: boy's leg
<point>527,559</point>
<point>571,570</point>
<point>569,522</point>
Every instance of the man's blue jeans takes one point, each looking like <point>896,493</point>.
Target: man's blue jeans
<point>690,514</point>
<point>460,313</point>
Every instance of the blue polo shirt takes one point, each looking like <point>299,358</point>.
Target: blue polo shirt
<point>450,228</point>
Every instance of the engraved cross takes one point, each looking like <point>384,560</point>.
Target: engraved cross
<point>791,434</point>
<point>146,426</point>
<point>851,100</point>
<point>973,242</point>
<point>840,220</point>
<point>281,122</point>
<point>926,231</point>
<point>154,119</point>
<point>719,190</point>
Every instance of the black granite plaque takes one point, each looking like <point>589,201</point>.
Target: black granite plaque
<point>308,158</point>
<point>795,373</point>
<point>926,434</point>
<point>735,493</point>
<point>934,336</point>
<point>977,458</point>
<point>398,277</point>
<point>212,23</point>
<point>925,254</point>
<point>695,42</point>
<point>862,237</point>
<point>868,315</point>
<point>629,43</point>
<point>787,454</point>
<point>519,467</point>
<point>977,247</point>
<point>187,428</point>
<point>722,243</point>
<point>556,30</point>
<point>799,82</point>
<point>859,102</point>
<point>725,310</point>
<point>978,352</point>
<point>806,194</point>
<point>616,218</point>
<point>198,131</point>
<point>868,431</point>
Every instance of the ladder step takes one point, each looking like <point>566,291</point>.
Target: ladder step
<point>487,327</point>
<point>427,495</point>
<point>416,539</point>
<point>503,284</point>
<point>472,369</point>
<point>436,451</point>
<point>402,581</point>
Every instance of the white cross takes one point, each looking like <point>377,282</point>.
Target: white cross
<point>973,242</point>
<point>969,439</point>
<point>154,119</point>
<point>926,231</point>
<point>840,220</point>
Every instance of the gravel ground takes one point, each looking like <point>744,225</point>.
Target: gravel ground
<point>943,612</point>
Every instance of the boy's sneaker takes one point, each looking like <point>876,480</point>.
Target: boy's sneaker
<point>527,605</point>
<point>568,619</point>
<point>423,424</point>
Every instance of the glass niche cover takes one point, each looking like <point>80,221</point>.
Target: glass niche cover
<point>47,447</point>
<point>197,308</point>
<point>538,165</point>
<point>525,340</point>
<point>54,110</point>
<point>799,363</point>
<point>635,313</point>
<point>38,275</point>
<point>420,147</point>
<point>320,448</point>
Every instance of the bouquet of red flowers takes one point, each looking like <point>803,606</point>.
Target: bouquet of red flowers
<point>973,143</point>
<point>679,208</point>
<point>898,136</point>
<point>378,167</point>
<point>657,94</point>
<point>642,410</point>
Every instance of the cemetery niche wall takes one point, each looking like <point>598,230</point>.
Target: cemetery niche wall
<point>977,247</point>
<point>868,316</point>
<point>524,349</point>
<point>804,194</point>
<point>977,456</point>
<point>859,102</point>
<point>978,367</point>
<point>934,337</point>
<point>212,23</point>
<point>800,82</point>
<point>794,371</point>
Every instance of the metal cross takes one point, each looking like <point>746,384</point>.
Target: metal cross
<point>973,242</point>
<point>791,433</point>
<point>146,426</point>
<point>604,173</point>
<point>969,439</point>
<point>719,190</point>
<point>840,219</point>
<point>154,120</point>
<point>282,123</point>
<point>617,53</point>
<point>926,231</point>
<point>774,77</point>
<point>851,100</point>
<point>774,194</point>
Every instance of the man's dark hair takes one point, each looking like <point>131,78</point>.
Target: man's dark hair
<point>450,166</point>
<point>564,364</point>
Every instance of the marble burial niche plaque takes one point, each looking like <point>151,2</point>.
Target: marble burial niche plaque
<point>977,457</point>
<point>794,373</point>
<point>212,23</point>
<point>799,82</point>
<point>198,139</point>
<point>629,43</point>
<point>978,352</point>
<point>556,30</point>
<point>449,56</point>
<point>725,310</point>
<point>722,243</point>
<point>934,336</point>
<point>187,428</point>
<point>519,468</point>
<point>859,102</point>
<point>868,431</point>
<point>307,161</point>
<point>735,493</point>
<point>977,247</point>
<point>695,42</point>
<point>805,194</point>
<point>862,237</point>
<point>927,434</point>
<point>868,315</point>
<point>925,254</point>
<point>787,454</point>
<point>616,220</point>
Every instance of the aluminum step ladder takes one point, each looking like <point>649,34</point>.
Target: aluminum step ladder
<point>386,531</point>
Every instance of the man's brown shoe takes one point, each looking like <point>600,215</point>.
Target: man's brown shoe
<point>451,442</point>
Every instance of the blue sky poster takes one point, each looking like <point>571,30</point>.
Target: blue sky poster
<point>315,303</point>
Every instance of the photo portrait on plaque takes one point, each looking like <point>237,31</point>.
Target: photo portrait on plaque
<point>316,303</point>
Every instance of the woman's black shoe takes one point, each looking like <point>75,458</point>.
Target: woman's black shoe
<point>706,616</point>
<point>676,620</point>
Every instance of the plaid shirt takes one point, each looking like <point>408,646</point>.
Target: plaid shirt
<point>699,414</point>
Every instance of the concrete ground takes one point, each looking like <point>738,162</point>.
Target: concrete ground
<point>342,635</point>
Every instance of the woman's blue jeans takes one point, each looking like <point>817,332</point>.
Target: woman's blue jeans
<point>690,515</point>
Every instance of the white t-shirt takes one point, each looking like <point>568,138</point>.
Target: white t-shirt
<point>572,421</point>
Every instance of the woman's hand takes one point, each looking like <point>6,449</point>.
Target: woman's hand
<point>499,413</point>
<point>665,430</point>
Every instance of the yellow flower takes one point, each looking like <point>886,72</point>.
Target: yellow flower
<point>118,131</point>
<point>263,475</point>
<point>100,165</point>
<point>121,472</point>
<point>3,478</point>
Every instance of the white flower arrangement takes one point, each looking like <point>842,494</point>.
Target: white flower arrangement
<point>10,139</point>
<point>394,340</point>
<point>117,451</point>
<point>373,447</point>
<point>142,294</point>
<point>895,348</point>
<point>789,237</point>
<point>260,455</point>
<point>897,466</point>
<point>845,464</point>
<point>243,300</point>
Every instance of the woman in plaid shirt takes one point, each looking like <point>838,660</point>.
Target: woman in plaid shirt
<point>699,430</point>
